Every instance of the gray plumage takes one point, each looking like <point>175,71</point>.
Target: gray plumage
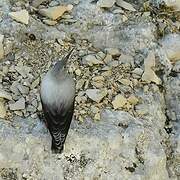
<point>57,97</point>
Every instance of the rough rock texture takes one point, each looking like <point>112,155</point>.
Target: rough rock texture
<point>140,140</point>
<point>119,139</point>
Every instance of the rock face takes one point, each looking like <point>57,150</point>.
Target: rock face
<point>114,68</point>
<point>119,139</point>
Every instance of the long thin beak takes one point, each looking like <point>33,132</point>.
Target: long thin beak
<point>65,59</point>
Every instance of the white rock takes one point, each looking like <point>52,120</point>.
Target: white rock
<point>91,60</point>
<point>137,71</point>
<point>2,109</point>
<point>149,75</point>
<point>119,101</point>
<point>23,70</point>
<point>125,5</point>
<point>5,95</point>
<point>1,46</point>
<point>108,58</point>
<point>133,100</point>
<point>21,16</point>
<point>96,94</point>
<point>173,3</point>
<point>36,3</point>
<point>55,12</point>
<point>106,3</point>
<point>50,22</point>
<point>171,46</point>
<point>18,105</point>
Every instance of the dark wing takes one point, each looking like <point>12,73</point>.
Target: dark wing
<point>58,120</point>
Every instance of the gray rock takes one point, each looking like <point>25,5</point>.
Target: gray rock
<point>91,60</point>
<point>23,70</point>
<point>119,139</point>
<point>171,46</point>
<point>106,3</point>
<point>18,105</point>
<point>23,89</point>
<point>96,94</point>
<point>1,46</point>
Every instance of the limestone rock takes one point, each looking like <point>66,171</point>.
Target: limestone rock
<point>173,3</point>
<point>91,60</point>
<point>108,58</point>
<point>98,81</point>
<point>18,105</point>
<point>149,75</point>
<point>23,70</point>
<point>125,5</point>
<point>2,109</point>
<point>21,16</point>
<point>50,22</point>
<point>133,100</point>
<point>5,95</point>
<point>96,94</point>
<point>1,46</point>
<point>106,3</point>
<point>119,101</point>
<point>36,3</point>
<point>55,12</point>
<point>171,46</point>
<point>137,71</point>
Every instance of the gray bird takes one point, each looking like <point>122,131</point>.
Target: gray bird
<point>57,98</point>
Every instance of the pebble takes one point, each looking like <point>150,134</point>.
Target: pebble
<point>78,72</point>
<point>138,71</point>
<point>91,60</point>
<point>106,3</point>
<point>18,105</point>
<point>98,81</point>
<point>171,46</point>
<point>97,116</point>
<point>119,101</point>
<point>133,100</point>
<point>14,88</point>
<point>21,16</point>
<point>149,75</point>
<point>36,3</point>
<point>1,46</point>
<point>35,83</point>
<point>126,82</point>
<point>5,95</point>
<point>100,55</point>
<point>113,51</point>
<point>50,22</point>
<point>108,58</point>
<point>125,5</point>
<point>23,70</point>
<point>2,109</point>
<point>23,89</point>
<point>56,11</point>
<point>80,83</point>
<point>96,94</point>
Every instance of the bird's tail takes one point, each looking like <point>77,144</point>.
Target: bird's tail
<point>58,140</point>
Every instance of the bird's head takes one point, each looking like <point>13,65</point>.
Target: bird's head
<point>61,64</point>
